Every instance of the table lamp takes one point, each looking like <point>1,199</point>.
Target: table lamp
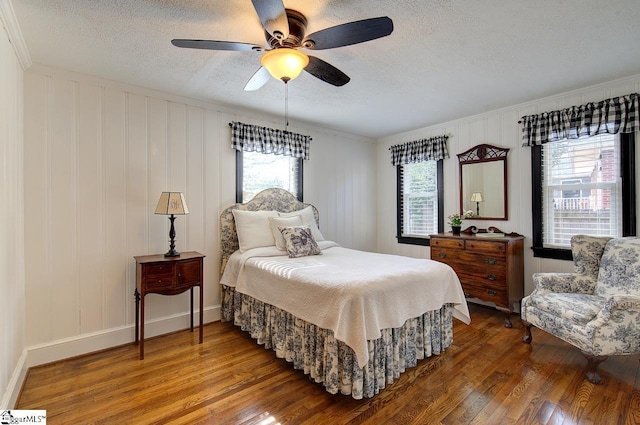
<point>477,198</point>
<point>172,204</point>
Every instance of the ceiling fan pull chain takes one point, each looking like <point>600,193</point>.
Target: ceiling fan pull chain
<point>286,107</point>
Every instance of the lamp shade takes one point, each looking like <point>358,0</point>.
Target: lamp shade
<point>284,63</point>
<point>477,197</point>
<point>172,203</point>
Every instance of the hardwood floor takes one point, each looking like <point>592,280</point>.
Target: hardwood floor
<point>488,376</point>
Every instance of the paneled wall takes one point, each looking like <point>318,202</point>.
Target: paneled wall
<point>97,156</point>
<point>498,128</point>
<point>12,281</point>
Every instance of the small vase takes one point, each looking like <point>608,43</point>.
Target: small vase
<point>455,230</point>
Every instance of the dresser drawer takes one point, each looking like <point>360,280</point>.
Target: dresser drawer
<point>487,247</point>
<point>496,296</point>
<point>483,261</point>
<point>162,269</point>
<point>188,272</point>
<point>447,243</point>
<point>487,268</point>
<point>488,279</point>
<point>445,255</point>
<point>158,282</point>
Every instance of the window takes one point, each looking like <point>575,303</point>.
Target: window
<point>584,185</point>
<point>266,157</point>
<point>420,200</point>
<point>256,171</point>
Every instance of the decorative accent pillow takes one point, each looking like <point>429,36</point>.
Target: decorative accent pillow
<point>299,241</point>
<point>253,228</point>
<point>277,222</point>
<point>308,219</point>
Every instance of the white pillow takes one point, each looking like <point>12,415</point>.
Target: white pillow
<point>253,228</point>
<point>275,222</point>
<point>308,219</point>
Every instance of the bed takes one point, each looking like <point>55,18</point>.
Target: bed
<point>351,320</point>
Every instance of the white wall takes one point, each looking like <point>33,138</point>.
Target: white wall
<point>499,128</point>
<point>97,156</point>
<point>12,281</point>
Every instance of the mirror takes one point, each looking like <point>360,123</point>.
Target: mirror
<point>483,182</point>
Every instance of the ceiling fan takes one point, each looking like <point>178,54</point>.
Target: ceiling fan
<point>285,33</point>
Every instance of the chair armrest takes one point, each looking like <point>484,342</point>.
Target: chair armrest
<point>622,302</point>
<point>553,282</point>
<point>615,329</point>
<point>618,309</point>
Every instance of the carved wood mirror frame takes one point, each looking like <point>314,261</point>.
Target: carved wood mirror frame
<point>483,170</point>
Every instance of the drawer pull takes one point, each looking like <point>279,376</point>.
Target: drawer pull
<point>491,260</point>
<point>442,255</point>
<point>491,292</point>
<point>491,277</point>
<point>179,274</point>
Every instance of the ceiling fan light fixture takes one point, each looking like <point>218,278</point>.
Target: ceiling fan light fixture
<point>284,63</point>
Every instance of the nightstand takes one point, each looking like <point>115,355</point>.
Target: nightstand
<point>157,274</point>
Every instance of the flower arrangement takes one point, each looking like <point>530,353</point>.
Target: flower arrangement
<point>455,219</point>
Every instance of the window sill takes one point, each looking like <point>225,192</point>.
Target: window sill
<point>414,241</point>
<point>554,253</point>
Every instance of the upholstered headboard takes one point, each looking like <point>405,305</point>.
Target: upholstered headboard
<point>268,200</point>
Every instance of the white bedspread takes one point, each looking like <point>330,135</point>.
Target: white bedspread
<point>353,293</point>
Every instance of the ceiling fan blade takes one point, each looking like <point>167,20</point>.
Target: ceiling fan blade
<point>273,17</point>
<point>258,79</point>
<point>215,45</point>
<point>349,33</point>
<point>326,72</point>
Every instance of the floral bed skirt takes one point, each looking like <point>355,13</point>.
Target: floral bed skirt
<point>331,362</point>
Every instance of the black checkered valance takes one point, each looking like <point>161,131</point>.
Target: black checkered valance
<point>434,148</point>
<point>252,138</point>
<point>615,115</point>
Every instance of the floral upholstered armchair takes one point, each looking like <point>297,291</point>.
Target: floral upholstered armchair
<point>597,308</point>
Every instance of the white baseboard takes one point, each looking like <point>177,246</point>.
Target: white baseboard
<point>10,397</point>
<point>82,344</point>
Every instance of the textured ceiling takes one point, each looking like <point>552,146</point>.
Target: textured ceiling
<point>444,59</point>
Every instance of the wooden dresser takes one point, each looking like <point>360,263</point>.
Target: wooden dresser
<point>489,269</point>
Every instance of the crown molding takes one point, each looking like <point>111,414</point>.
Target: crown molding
<point>10,22</point>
